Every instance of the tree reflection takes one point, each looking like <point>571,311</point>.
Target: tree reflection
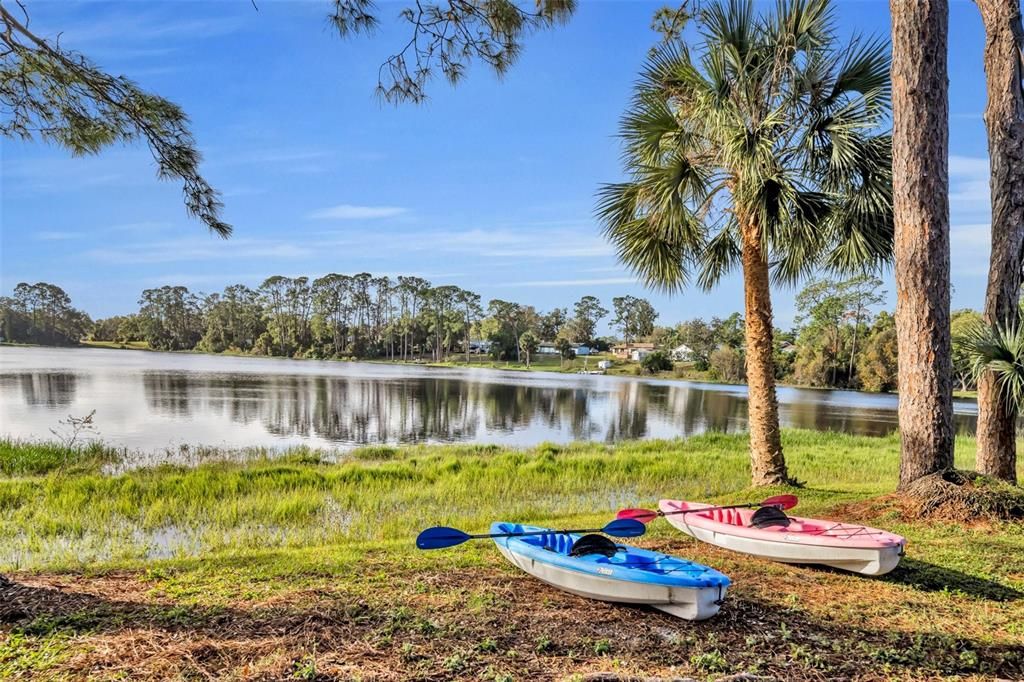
<point>361,409</point>
<point>52,389</point>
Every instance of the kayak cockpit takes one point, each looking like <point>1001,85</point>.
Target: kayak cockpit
<point>744,518</point>
<point>626,557</point>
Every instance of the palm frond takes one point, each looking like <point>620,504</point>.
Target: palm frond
<point>865,70</point>
<point>999,349</point>
<point>721,254</point>
<point>655,246</point>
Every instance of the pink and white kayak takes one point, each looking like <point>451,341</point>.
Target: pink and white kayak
<point>848,546</point>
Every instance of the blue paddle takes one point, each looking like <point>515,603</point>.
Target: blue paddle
<point>440,536</point>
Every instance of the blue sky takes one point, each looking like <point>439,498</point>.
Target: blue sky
<point>489,186</point>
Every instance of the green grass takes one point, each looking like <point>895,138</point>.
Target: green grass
<point>25,458</point>
<point>303,536</point>
<point>121,345</point>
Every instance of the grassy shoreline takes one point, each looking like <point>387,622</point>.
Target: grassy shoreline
<point>302,567</point>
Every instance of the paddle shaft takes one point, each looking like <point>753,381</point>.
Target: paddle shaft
<point>704,509</point>
<point>535,532</point>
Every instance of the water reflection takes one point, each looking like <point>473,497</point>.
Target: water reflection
<point>151,401</point>
<point>52,389</point>
<point>356,410</point>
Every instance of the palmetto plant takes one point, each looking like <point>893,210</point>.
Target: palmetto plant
<point>762,147</point>
<point>999,349</point>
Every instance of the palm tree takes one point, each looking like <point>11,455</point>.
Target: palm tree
<point>761,148</point>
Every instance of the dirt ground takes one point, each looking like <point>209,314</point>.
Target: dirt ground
<point>497,624</point>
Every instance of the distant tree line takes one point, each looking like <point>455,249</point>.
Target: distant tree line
<point>334,316</point>
<point>840,337</point>
<point>41,313</point>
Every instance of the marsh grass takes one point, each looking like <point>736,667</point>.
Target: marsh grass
<point>75,515</point>
<point>27,458</point>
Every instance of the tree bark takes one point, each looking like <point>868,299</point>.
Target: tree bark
<point>920,143</point>
<point>853,348</point>
<point>767,464</point>
<point>1004,120</point>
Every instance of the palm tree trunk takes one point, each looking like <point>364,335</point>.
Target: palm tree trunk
<point>1004,119</point>
<point>920,144</point>
<point>767,464</point>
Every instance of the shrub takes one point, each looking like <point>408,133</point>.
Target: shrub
<point>658,361</point>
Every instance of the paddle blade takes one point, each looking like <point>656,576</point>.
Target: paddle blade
<point>625,528</point>
<point>641,515</point>
<point>781,502</point>
<point>440,536</point>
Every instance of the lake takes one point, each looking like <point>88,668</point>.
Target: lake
<point>155,401</point>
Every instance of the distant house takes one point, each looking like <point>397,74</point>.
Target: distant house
<point>605,364</point>
<point>624,351</point>
<point>480,347</point>
<point>638,354</point>
<point>551,348</point>
<point>787,347</point>
<point>682,353</point>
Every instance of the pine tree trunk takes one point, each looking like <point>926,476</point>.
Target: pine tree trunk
<point>853,348</point>
<point>1004,119</point>
<point>767,464</point>
<point>920,144</point>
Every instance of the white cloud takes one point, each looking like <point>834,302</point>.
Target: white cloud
<point>968,183</point>
<point>526,243</point>
<point>57,235</point>
<point>181,250</point>
<point>968,166</point>
<point>972,234</point>
<point>350,212</point>
<point>516,243</point>
<point>572,282</point>
<point>969,252</point>
<point>144,28</point>
<point>217,280</point>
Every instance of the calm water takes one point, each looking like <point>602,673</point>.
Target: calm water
<point>152,401</point>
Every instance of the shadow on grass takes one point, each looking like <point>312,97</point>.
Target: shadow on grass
<point>928,577</point>
<point>408,630</point>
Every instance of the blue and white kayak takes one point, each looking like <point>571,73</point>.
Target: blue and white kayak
<point>631,575</point>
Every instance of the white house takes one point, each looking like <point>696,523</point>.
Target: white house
<point>682,353</point>
<point>638,354</point>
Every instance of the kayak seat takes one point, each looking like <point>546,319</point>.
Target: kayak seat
<point>593,544</point>
<point>767,517</point>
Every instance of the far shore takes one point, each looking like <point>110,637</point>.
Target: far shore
<point>543,364</point>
